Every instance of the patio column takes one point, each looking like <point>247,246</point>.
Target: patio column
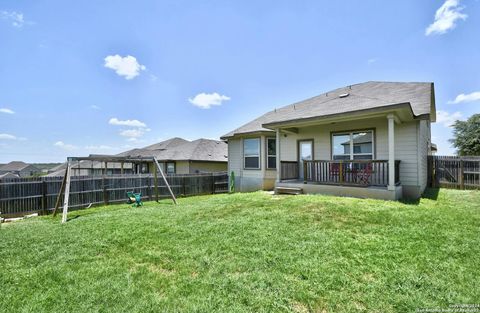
<point>277,152</point>
<point>391,151</point>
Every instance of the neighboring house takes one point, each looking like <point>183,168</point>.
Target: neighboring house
<point>180,156</point>
<point>19,168</point>
<point>366,140</point>
<point>175,156</point>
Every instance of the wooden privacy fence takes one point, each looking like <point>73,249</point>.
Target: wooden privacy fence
<point>28,195</point>
<point>454,172</point>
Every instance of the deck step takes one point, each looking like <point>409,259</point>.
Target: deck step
<point>288,190</point>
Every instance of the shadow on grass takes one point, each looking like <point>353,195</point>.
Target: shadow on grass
<point>429,193</point>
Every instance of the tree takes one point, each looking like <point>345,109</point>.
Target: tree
<point>466,136</point>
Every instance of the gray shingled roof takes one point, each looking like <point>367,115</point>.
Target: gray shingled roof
<point>174,149</point>
<point>8,175</point>
<point>363,96</point>
<point>14,166</point>
<point>181,150</point>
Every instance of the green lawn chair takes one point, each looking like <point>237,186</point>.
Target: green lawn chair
<point>134,198</point>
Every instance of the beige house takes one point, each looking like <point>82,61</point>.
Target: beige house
<point>175,156</point>
<point>366,140</point>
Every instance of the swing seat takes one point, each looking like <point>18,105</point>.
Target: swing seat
<point>134,198</point>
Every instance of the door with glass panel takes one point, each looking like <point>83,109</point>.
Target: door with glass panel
<point>305,152</point>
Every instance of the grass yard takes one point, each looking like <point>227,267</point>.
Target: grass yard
<point>247,252</point>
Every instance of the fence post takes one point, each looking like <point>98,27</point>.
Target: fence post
<point>183,186</point>
<point>105,194</point>
<point>44,196</point>
<point>213,184</point>
<point>462,186</point>
<point>155,182</point>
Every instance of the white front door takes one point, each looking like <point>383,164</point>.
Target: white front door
<point>305,152</point>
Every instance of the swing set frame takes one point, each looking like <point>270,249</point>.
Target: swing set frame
<point>65,187</point>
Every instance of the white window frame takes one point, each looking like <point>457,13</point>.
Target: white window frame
<point>350,133</point>
<point>252,156</point>
<point>270,155</point>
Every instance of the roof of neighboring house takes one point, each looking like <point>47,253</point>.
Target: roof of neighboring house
<point>9,175</point>
<point>15,166</point>
<point>175,149</point>
<point>61,166</point>
<point>182,150</point>
<point>360,138</point>
<point>169,143</point>
<point>358,97</point>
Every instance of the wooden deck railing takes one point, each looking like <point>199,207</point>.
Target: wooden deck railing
<point>357,172</point>
<point>289,170</point>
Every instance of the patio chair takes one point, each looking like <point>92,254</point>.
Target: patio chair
<point>134,198</point>
<point>364,174</point>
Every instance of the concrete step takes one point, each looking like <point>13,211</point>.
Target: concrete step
<point>288,190</point>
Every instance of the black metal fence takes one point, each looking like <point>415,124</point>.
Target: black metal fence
<point>20,196</point>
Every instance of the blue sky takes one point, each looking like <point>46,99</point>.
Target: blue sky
<point>80,77</point>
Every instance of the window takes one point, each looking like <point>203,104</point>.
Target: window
<point>271,153</point>
<point>251,153</point>
<point>170,167</point>
<point>353,145</point>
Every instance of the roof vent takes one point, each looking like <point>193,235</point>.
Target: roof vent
<point>344,95</point>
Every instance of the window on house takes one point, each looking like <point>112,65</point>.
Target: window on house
<point>170,167</point>
<point>353,145</point>
<point>251,153</point>
<point>271,153</point>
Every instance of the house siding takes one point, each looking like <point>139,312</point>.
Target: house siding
<point>423,149</point>
<point>249,179</point>
<point>411,148</point>
<point>207,167</point>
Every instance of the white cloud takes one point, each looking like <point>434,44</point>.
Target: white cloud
<point>7,137</point>
<point>371,61</point>
<point>207,100</point>
<point>95,107</point>
<point>447,119</point>
<point>6,111</point>
<point>17,19</point>
<point>474,96</point>
<point>130,123</point>
<point>446,18</point>
<point>133,133</point>
<point>124,66</point>
<point>65,146</point>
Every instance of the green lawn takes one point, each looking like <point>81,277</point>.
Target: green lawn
<point>247,252</point>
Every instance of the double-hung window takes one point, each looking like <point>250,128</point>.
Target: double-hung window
<point>251,153</point>
<point>357,145</point>
<point>271,153</point>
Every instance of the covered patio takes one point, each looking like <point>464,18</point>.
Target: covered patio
<point>352,169</point>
